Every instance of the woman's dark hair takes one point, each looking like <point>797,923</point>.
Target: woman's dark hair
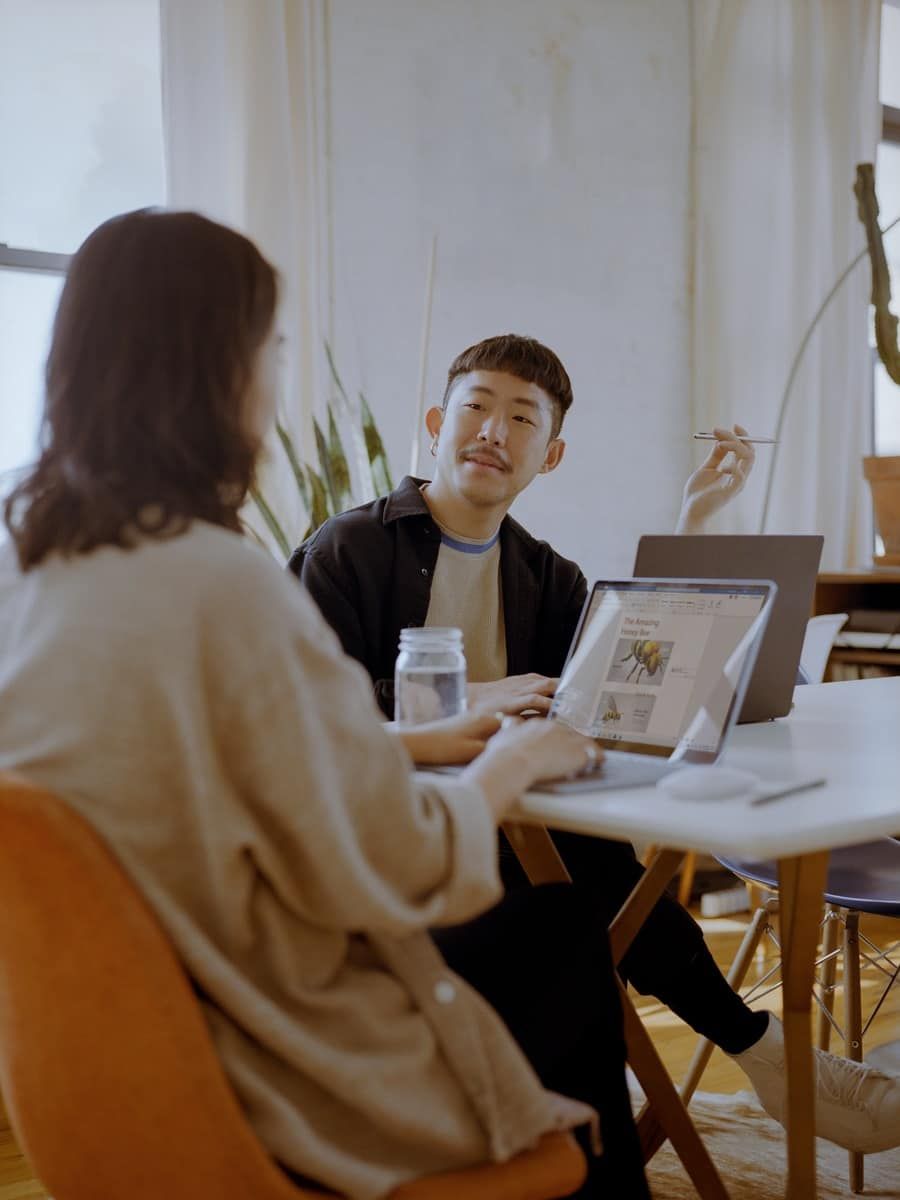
<point>145,425</point>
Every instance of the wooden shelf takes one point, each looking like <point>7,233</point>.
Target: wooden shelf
<point>876,588</point>
<point>881,658</point>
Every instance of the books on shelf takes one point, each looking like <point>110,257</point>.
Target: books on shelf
<point>867,639</point>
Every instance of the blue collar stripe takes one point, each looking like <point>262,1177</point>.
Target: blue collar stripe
<point>469,547</point>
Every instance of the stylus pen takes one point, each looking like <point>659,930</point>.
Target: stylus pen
<point>761,441</point>
<point>788,791</point>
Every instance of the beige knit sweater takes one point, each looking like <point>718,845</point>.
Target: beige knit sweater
<point>187,698</point>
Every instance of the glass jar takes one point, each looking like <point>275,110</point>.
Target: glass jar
<point>430,676</point>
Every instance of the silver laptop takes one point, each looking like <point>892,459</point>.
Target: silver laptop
<point>657,671</point>
<point>792,561</point>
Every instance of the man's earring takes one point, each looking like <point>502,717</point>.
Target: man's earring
<point>434,446</point>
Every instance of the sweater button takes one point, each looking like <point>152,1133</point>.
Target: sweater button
<point>424,570</point>
<point>444,992</point>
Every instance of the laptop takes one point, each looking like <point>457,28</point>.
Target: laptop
<point>792,561</point>
<point>656,672</point>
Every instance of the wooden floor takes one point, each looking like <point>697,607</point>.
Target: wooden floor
<point>674,1040</point>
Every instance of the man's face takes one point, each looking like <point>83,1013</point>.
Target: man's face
<point>494,436</point>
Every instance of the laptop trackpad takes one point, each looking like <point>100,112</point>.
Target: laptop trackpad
<point>614,771</point>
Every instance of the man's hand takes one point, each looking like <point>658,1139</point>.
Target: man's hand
<point>514,695</point>
<point>453,740</point>
<point>717,480</point>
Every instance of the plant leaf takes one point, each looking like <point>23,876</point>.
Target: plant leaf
<point>378,460</point>
<point>256,536</point>
<point>338,466</point>
<point>334,373</point>
<point>328,487</point>
<point>271,521</point>
<point>324,465</point>
<point>319,511</point>
<point>296,466</point>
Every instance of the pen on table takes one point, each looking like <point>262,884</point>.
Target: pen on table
<point>792,790</point>
<point>761,441</point>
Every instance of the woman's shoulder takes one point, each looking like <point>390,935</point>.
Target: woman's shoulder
<point>224,570</point>
<point>243,610</point>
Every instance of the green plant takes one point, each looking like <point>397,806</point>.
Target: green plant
<point>329,486</point>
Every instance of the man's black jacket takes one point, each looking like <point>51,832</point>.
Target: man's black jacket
<point>370,572</point>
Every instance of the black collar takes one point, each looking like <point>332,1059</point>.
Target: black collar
<point>406,500</point>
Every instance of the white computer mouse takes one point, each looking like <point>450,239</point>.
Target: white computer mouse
<point>708,783</point>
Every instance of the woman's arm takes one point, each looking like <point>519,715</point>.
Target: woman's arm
<point>334,817</point>
<point>454,740</point>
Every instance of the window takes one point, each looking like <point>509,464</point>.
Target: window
<point>80,140</point>
<point>886,425</point>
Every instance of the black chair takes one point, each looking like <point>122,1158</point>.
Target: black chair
<point>861,879</point>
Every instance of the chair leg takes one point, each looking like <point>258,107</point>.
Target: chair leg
<point>537,853</point>
<point>756,898</point>
<point>631,916</point>
<point>667,1107</point>
<point>736,975</point>
<point>688,871</point>
<point>853,1024</point>
<point>829,972</point>
<point>686,882</point>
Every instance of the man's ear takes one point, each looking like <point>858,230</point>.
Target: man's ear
<point>434,419</point>
<point>554,456</point>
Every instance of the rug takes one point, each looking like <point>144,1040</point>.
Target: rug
<point>748,1149</point>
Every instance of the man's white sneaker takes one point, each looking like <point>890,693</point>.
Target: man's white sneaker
<point>857,1106</point>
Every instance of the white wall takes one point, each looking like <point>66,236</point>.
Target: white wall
<point>548,145</point>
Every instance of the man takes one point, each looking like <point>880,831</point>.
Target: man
<point>447,553</point>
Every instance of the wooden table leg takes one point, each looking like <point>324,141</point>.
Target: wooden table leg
<point>853,1028</point>
<point>801,886</point>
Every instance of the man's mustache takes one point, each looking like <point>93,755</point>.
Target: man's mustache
<point>487,455</point>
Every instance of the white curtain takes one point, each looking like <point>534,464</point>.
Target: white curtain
<point>785,106</point>
<point>245,110</point>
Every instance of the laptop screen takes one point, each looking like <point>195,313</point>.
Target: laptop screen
<point>657,666</point>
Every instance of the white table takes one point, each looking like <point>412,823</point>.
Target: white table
<point>848,732</point>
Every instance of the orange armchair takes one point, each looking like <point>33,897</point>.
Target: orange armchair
<point>106,1066</point>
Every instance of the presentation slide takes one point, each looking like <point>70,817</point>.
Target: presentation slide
<point>649,665</point>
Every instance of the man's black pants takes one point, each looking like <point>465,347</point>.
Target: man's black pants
<point>669,958</point>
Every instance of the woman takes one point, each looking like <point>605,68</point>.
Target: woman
<point>162,674</point>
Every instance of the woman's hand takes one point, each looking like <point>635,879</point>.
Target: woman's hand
<point>453,740</point>
<point>525,753</point>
